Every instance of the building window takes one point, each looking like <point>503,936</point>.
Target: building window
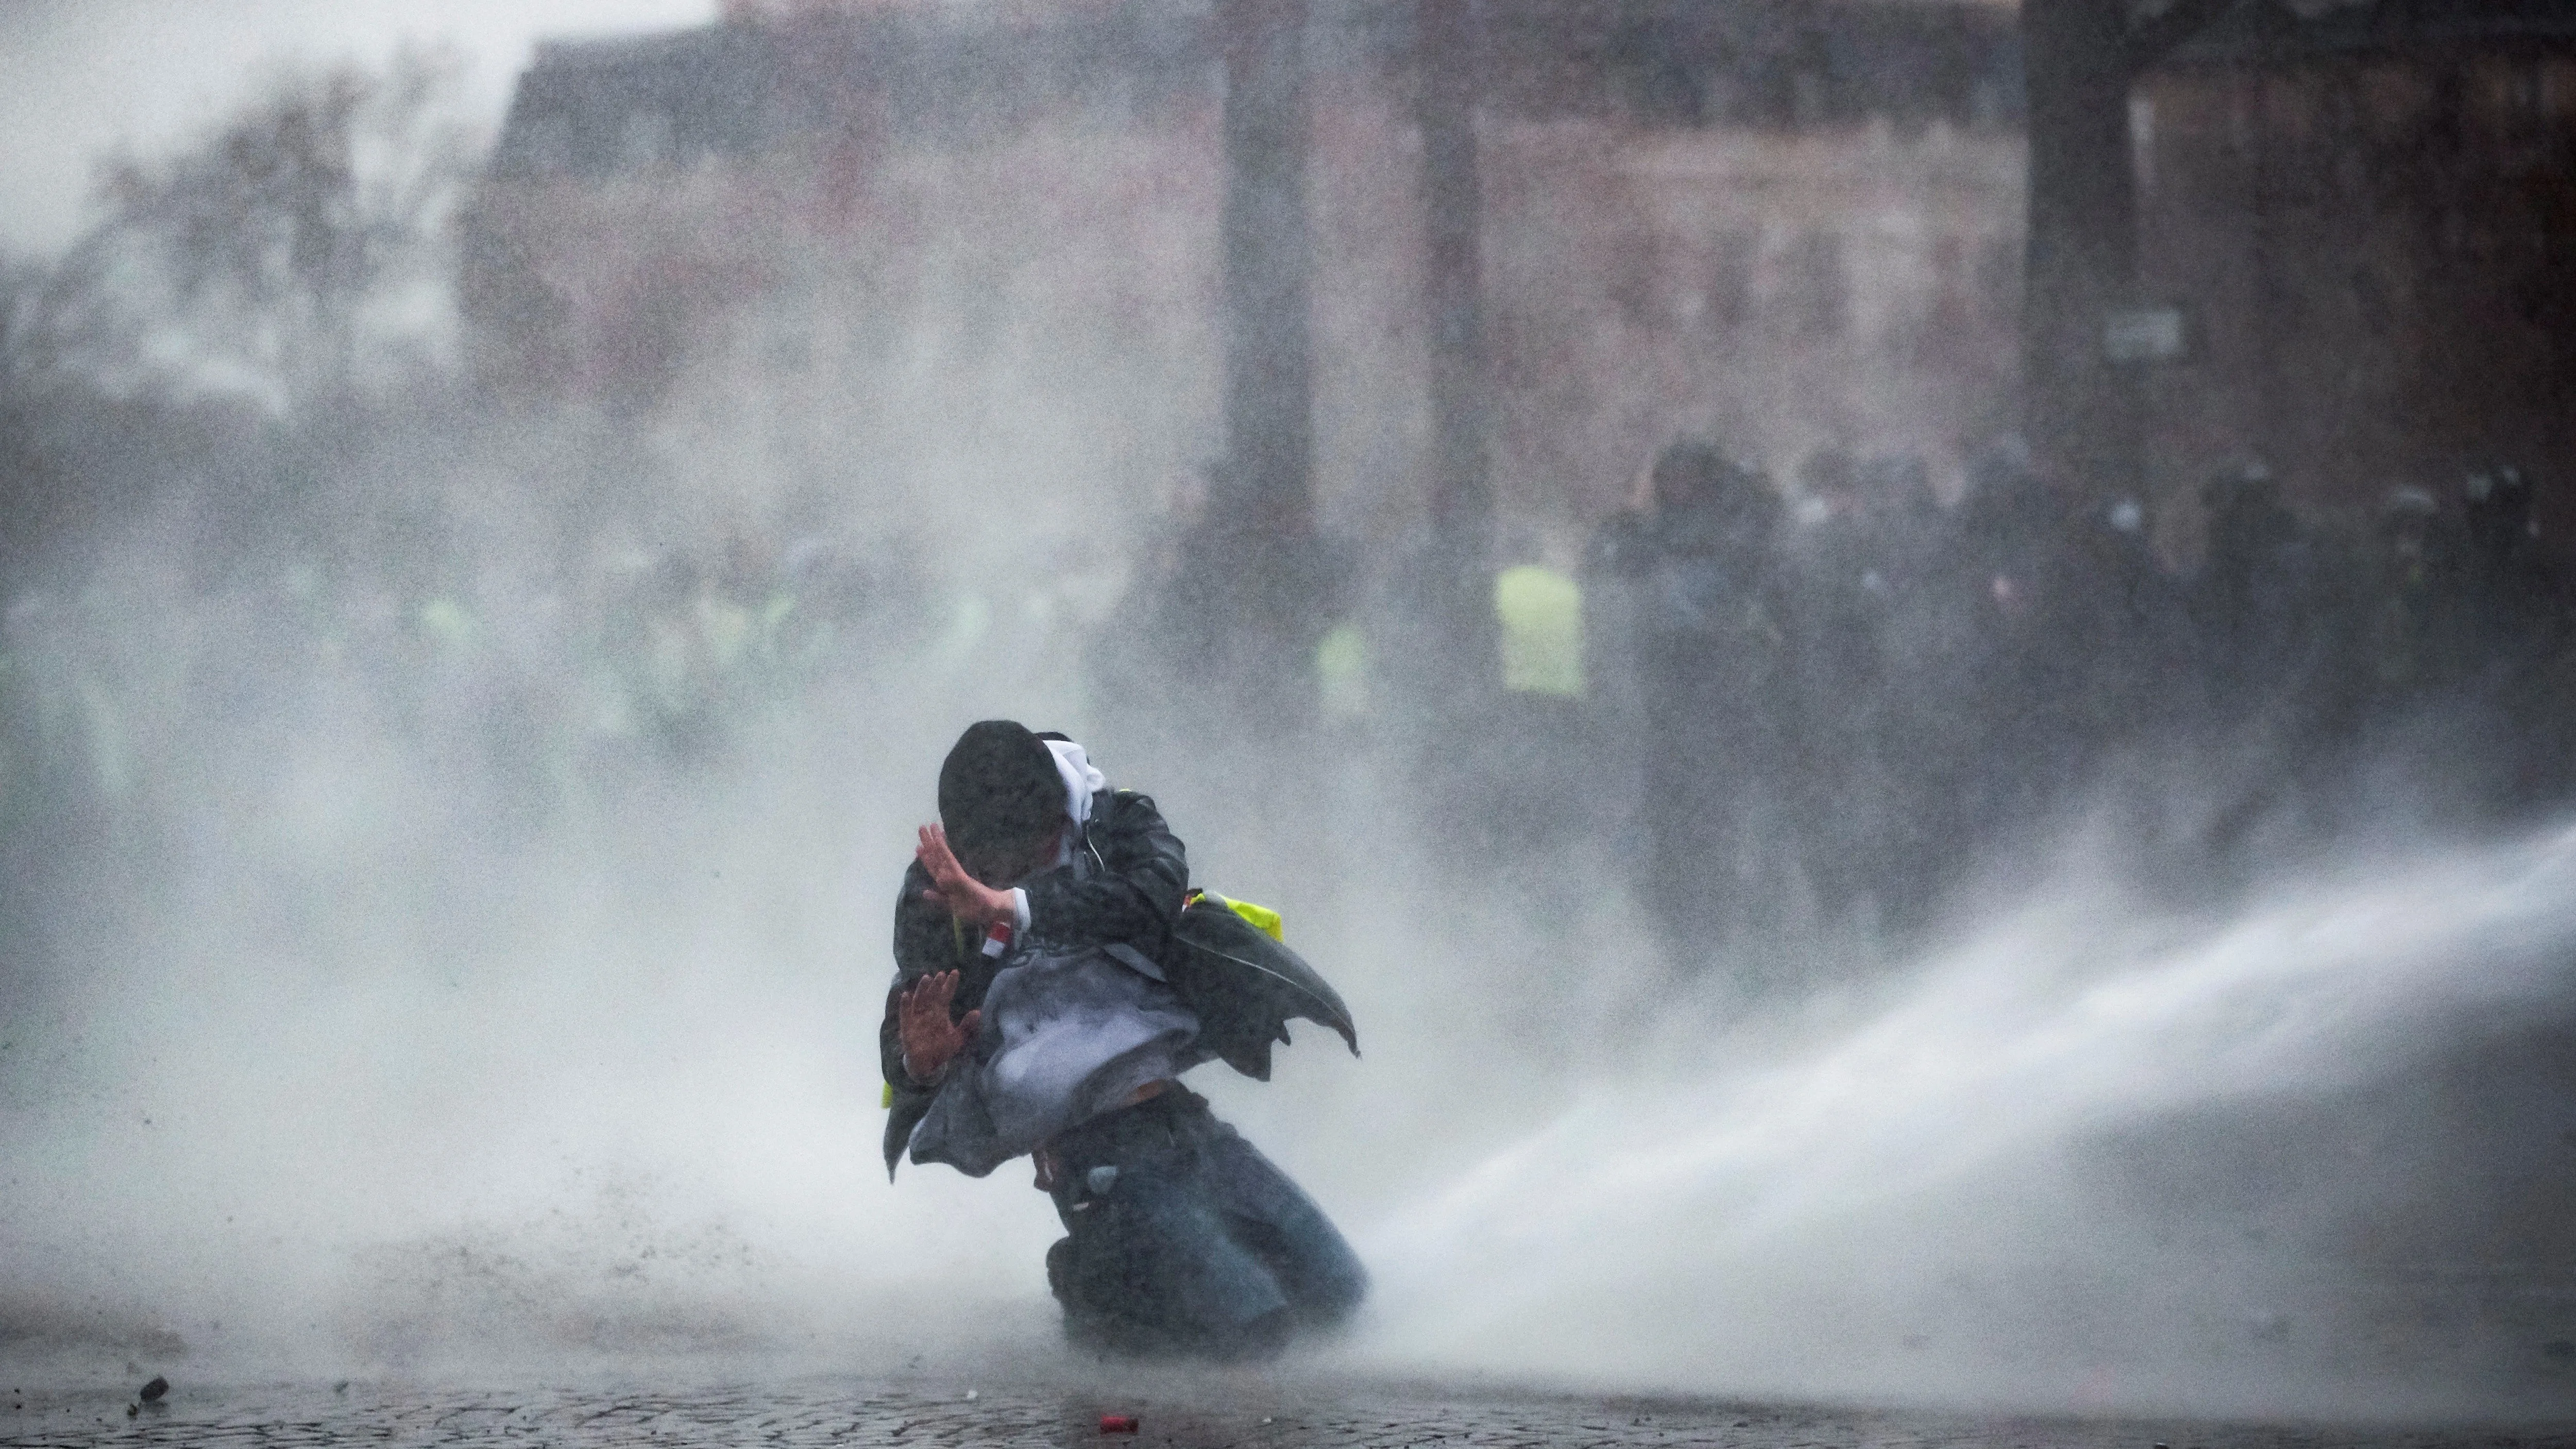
<point>1730,281</point>
<point>1818,285</point>
<point>1632,277</point>
<point>2142,142</point>
<point>646,142</point>
<point>2371,303</point>
<point>1999,277</point>
<point>549,146</point>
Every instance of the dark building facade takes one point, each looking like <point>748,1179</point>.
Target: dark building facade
<point>963,238</point>
<point>2368,219</point>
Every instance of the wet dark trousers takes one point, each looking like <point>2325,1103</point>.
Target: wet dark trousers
<point>1184,1240</point>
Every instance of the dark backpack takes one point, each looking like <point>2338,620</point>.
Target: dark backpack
<point>1237,974</point>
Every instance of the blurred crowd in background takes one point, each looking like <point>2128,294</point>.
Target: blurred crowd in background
<point>1852,702</point>
<point>1774,707</point>
<point>533,690</point>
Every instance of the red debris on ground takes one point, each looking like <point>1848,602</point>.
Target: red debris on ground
<point>1117,1423</point>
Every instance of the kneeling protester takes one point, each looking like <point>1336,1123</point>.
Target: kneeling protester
<point>1055,977</point>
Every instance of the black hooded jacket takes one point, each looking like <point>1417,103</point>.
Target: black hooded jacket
<point>1125,884</point>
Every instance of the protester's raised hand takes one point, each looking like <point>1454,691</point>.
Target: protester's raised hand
<point>966,898</point>
<point>930,1039</point>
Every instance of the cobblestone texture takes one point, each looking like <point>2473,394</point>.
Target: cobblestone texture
<point>1209,1416</point>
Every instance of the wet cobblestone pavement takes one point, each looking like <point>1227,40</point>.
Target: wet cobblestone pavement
<point>1223,1415</point>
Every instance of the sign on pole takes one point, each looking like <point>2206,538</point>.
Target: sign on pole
<point>2135,335</point>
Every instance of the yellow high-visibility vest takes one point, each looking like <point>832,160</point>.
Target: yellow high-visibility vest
<point>1541,638</point>
<point>1341,672</point>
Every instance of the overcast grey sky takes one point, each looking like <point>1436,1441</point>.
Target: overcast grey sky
<point>77,76</point>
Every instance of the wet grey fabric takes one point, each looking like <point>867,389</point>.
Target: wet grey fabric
<point>1067,1035</point>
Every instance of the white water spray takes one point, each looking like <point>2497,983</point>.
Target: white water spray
<point>612,1094</point>
<point>1930,1201</point>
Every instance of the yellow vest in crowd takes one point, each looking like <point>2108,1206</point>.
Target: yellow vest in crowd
<point>1541,614</point>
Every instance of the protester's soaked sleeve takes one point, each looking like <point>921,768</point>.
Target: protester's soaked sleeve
<point>921,947</point>
<point>1137,893</point>
<point>926,941</point>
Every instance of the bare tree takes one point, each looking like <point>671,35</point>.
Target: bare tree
<point>274,255</point>
<point>291,261</point>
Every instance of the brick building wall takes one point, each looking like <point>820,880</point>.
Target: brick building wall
<point>892,244</point>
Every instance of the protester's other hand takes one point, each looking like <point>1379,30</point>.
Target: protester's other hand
<point>930,1039</point>
<point>968,899</point>
<point>1050,1171</point>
